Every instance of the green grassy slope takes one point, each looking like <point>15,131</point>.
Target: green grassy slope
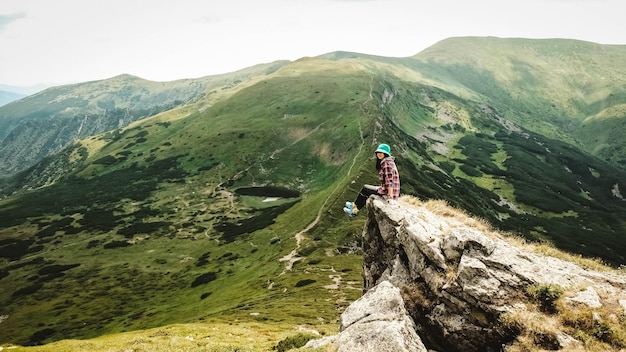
<point>150,228</point>
<point>168,220</point>
<point>565,89</point>
<point>521,181</point>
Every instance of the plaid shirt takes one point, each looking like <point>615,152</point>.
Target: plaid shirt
<point>389,177</point>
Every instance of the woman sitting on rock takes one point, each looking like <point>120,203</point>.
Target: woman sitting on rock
<point>388,176</point>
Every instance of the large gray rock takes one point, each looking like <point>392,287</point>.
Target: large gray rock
<point>456,281</point>
<point>378,321</point>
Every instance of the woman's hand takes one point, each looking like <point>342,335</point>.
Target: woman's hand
<point>388,199</point>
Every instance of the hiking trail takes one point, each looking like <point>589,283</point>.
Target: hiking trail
<point>292,257</point>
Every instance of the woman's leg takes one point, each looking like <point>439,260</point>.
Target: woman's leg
<point>364,193</point>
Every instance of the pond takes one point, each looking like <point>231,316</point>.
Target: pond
<point>267,191</point>
<point>268,202</point>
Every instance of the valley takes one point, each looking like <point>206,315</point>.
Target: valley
<point>166,219</point>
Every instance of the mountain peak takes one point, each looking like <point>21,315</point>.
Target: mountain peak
<point>125,77</point>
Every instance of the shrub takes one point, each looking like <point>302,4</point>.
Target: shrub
<point>204,259</point>
<point>546,296</point>
<point>106,160</point>
<point>38,337</point>
<point>27,290</point>
<point>204,279</point>
<point>304,282</point>
<point>589,325</point>
<point>470,171</point>
<point>14,249</point>
<point>295,341</point>
<point>54,269</point>
<point>116,244</point>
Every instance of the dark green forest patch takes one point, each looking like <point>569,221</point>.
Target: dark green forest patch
<point>143,228</point>
<point>305,282</point>
<point>204,279</point>
<point>13,248</point>
<point>57,268</point>
<point>95,198</point>
<point>116,244</point>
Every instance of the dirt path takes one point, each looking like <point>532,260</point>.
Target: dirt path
<point>292,257</point>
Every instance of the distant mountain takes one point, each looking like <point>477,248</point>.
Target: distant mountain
<point>7,97</point>
<point>564,89</point>
<point>221,197</point>
<point>24,90</point>
<point>44,123</point>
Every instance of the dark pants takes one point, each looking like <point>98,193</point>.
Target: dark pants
<point>365,193</point>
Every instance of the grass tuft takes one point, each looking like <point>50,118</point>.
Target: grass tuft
<point>292,342</point>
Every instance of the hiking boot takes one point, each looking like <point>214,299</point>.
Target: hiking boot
<point>351,209</point>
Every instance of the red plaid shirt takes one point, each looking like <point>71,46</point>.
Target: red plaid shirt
<point>389,177</point>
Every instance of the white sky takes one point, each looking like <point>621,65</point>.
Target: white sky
<point>64,41</point>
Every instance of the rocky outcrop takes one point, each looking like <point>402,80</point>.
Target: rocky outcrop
<point>470,289</point>
<point>378,321</point>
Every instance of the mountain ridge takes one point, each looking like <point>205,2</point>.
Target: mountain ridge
<point>570,64</point>
<point>86,109</point>
<point>7,97</point>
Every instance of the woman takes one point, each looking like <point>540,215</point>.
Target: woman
<point>389,181</point>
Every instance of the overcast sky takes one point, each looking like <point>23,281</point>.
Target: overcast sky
<point>67,41</point>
